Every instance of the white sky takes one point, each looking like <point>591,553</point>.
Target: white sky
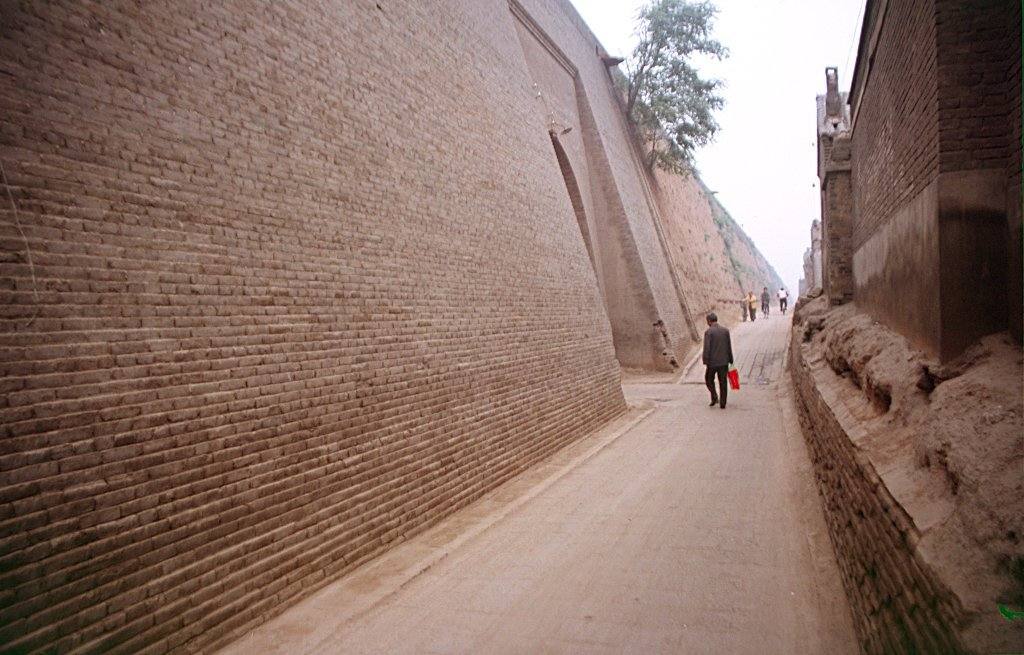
<point>763,162</point>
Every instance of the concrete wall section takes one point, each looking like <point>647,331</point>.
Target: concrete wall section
<point>304,284</point>
<point>972,243</point>
<point>896,272</point>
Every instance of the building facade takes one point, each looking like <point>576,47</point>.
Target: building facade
<point>920,172</point>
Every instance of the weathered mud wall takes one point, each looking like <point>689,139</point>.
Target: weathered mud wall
<point>750,267</point>
<point>921,490</point>
<point>717,260</point>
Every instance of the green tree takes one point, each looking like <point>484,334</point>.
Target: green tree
<point>669,103</point>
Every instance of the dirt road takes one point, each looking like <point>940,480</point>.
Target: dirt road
<point>679,529</point>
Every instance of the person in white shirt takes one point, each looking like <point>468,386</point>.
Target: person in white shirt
<point>783,300</point>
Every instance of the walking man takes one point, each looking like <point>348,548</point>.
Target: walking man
<point>766,302</point>
<point>783,300</point>
<point>752,305</point>
<point>717,357</point>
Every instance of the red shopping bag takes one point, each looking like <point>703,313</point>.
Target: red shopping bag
<point>734,378</point>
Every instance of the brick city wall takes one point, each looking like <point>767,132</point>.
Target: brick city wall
<point>623,200</point>
<point>301,287</point>
<point>751,268</point>
<point>976,44</point>
<point>898,604</point>
<point>697,247</point>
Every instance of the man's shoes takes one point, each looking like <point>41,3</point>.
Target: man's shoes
<point>723,405</point>
<point>714,401</point>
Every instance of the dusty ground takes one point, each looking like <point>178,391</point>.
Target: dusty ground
<point>679,528</point>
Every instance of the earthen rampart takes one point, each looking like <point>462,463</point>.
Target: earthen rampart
<point>918,488</point>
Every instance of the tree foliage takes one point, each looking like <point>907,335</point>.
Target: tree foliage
<point>670,104</point>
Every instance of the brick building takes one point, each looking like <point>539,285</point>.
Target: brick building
<point>285,287</point>
<point>920,172</point>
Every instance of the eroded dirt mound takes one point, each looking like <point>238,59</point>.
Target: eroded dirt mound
<point>948,440</point>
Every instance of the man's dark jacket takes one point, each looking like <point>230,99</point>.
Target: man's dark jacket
<point>717,347</point>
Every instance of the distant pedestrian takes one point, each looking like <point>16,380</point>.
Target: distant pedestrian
<point>766,302</point>
<point>783,300</point>
<point>752,305</point>
<point>717,358</point>
<point>744,307</point>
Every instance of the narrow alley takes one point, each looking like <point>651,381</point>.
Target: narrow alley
<point>679,528</point>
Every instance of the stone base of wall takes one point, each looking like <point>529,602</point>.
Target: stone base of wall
<point>924,559</point>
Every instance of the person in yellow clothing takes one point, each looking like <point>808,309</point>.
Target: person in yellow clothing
<point>752,304</point>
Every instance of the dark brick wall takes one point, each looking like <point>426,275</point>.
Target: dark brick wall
<point>975,46</point>
<point>1015,283</point>
<point>304,287</point>
<point>940,103</point>
<point>896,134</point>
<point>978,55</point>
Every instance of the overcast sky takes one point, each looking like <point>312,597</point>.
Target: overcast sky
<point>763,163</point>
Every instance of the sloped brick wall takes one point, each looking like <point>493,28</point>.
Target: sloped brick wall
<point>619,173</point>
<point>301,287</point>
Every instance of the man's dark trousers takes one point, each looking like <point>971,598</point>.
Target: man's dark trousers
<point>717,357</point>
<point>723,382</point>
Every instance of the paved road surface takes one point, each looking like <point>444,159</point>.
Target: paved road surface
<point>679,529</point>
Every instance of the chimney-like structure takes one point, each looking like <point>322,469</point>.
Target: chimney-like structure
<point>833,266</point>
<point>833,106</point>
